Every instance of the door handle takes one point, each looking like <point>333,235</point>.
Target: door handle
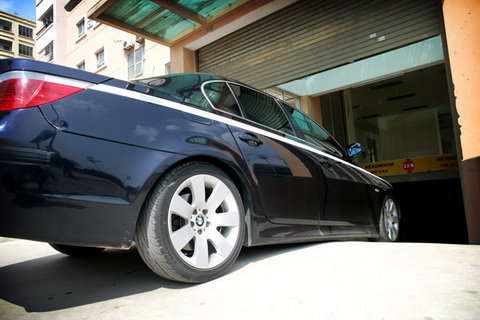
<point>250,139</point>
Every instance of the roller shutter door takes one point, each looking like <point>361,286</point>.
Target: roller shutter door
<point>308,37</point>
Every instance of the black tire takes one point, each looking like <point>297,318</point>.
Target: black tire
<point>192,226</point>
<point>389,223</point>
<point>76,251</point>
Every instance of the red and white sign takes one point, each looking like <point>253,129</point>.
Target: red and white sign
<point>409,165</point>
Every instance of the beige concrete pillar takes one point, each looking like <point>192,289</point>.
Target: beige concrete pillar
<point>462,26</point>
<point>311,106</point>
<point>182,60</point>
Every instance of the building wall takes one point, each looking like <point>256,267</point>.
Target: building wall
<point>51,35</point>
<point>72,49</point>
<point>10,39</point>
<point>462,26</point>
<point>98,37</point>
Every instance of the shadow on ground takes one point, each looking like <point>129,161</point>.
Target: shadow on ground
<point>59,282</point>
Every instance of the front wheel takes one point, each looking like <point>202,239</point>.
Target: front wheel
<point>192,227</point>
<point>389,220</point>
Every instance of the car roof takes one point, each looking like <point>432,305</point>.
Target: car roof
<point>187,77</point>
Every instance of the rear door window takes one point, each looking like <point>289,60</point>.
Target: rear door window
<point>221,97</point>
<point>182,89</point>
<point>262,109</point>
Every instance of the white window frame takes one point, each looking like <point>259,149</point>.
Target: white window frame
<point>80,64</point>
<point>101,63</point>
<point>48,51</point>
<point>135,63</point>
<point>81,28</point>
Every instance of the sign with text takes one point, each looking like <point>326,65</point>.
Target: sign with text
<point>413,165</point>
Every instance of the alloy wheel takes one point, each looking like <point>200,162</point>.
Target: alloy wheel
<point>203,221</point>
<point>391,219</point>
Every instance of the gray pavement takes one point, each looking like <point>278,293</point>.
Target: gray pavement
<point>332,280</point>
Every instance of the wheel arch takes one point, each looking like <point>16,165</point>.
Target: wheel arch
<point>232,170</point>
<point>381,225</point>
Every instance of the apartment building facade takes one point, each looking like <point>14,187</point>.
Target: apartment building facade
<point>71,39</point>
<point>17,36</point>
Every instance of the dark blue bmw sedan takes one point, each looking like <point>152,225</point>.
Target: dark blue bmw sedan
<point>189,167</point>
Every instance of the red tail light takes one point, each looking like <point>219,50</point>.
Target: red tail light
<point>26,93</point>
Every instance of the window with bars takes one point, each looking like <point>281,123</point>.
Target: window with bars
<point>25,31</point>
<point>25,50</point>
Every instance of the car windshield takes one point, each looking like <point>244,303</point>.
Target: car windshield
<point>314,133</point>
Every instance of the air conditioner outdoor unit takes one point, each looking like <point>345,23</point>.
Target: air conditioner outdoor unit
<point>127,45</point>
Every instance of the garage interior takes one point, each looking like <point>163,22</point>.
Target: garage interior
<point>403,117</point>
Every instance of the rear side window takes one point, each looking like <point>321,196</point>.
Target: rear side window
<point>262,109</point>
<point>221,97</point>
<point>182,89</point>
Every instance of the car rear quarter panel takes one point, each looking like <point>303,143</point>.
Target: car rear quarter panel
<point>131,121</point>
<point>97,158</point>
<point>65,188</point>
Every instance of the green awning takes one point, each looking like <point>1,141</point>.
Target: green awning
<point>166,21</point>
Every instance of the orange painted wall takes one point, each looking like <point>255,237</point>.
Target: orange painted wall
<point>462,26</point>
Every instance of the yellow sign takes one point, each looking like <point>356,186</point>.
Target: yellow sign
<point>414,165</point>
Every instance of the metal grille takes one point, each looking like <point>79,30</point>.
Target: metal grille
<point>308,37</point>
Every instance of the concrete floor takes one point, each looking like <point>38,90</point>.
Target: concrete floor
<point>332,280</point>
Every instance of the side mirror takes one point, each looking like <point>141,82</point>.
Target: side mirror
<point>354,150</point>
